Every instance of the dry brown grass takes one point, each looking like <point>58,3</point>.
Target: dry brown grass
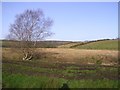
<point>82,56</point>
<point>11,54</point>
<point>65,55</point>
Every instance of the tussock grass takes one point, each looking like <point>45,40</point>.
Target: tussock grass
<point>60,55</point>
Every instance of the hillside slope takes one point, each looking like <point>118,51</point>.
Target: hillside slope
<point>103,45</point>
<point>99,44</point>
<point>68,45</point>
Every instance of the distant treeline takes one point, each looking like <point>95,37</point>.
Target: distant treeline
<point>47,44</point>
<point>39,44</point>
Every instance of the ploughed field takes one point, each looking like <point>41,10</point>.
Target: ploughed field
<point>52,67</point>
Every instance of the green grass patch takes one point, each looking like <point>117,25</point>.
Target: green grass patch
<point>93,84</point>
<point>24,81</point>
<point>71,71</point>
<point>14,68</point>
<point>101,45</point>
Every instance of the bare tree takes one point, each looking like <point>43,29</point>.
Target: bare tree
<point>29,27</point>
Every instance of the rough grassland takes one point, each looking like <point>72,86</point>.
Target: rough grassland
<point>75,56</point>
<point>24,81</point>
<point>51,67</point>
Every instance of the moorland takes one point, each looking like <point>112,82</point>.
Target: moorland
<point>90,64</point>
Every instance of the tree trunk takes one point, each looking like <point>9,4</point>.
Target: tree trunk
<point>27,57</point>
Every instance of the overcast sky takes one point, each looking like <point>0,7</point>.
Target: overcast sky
<point>73,21</point>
